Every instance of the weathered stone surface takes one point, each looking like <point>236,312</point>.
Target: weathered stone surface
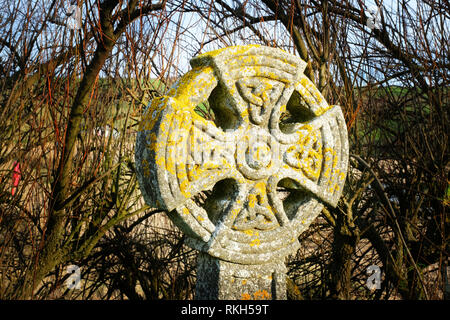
<point>243,157</point>
<point>219,279</point>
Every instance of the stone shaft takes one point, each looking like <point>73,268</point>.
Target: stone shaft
<point>221,280</point>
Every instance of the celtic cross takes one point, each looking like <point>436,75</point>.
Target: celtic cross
<point>273,155</point>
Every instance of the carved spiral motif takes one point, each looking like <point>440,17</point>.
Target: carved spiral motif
<point>258,156</point>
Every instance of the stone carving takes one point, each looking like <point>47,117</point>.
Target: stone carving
<point>273,129</point>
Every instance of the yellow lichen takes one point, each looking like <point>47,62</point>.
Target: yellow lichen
<point>246,296</point>
<point>258,295</point>
<point>255,242</point>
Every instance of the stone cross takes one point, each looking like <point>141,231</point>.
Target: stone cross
<point>273,130</point>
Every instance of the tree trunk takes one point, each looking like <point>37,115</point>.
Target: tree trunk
<point>51,254</point>
<point>343,247</point>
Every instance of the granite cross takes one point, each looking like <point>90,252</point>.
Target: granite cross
<point>272,130</point>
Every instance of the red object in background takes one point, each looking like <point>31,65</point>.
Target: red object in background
<point>15,177</point>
